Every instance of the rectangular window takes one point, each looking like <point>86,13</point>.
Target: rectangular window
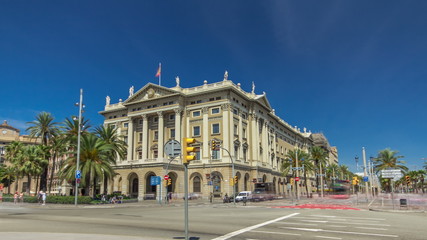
<point>125,139</point>
<point>125,125</point>
<point>211,99</point>
<point>172,117</point>
<point>235,111</point>
<point>156,119</point>
<point>215,154</point>
<point>196,131</point>
<point>244,132</point>
<point>139,154</point>
<point>215,128</point>
<point>172,133</point>
<point>196,114</point>
<point>218,98</point>
<point>215,110</point>
<point>236,130</point>
<point>140,137</point>
<point>156,135</point>
<point>140,122</point>
<point>199,101</point>
<point>198,154</point>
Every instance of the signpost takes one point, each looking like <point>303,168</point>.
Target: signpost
<point>394,174</point>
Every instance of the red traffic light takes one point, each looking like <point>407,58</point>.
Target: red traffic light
<point>296,179</point>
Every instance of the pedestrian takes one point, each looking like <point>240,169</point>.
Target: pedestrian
<point>244,200</point>
<point>169,196</point>
<point>210,197</point>
<point>21,197</point>
<point>39,197</point>
<point>15,197</point>
<point>43,197</point>
<point>225,198</point>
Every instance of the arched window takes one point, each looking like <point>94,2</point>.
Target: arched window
<point>196,184</point>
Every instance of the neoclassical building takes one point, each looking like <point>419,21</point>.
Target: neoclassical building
<point>243,122</point>
<point>10,134</point>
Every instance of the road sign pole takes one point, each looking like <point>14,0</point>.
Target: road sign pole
<point>186,199</point>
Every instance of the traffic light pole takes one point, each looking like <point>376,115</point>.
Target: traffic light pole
<point>186,199</point>
<point>232,173</point>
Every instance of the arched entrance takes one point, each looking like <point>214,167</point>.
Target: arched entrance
<point>216,183</point>
<point>150,191</point>
<point>245,184</point>
<point>133,185</point>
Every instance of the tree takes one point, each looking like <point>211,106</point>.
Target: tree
<point>344,172</point>
<point>332,171</point>
<point>95,162</point>
<point>58,149</point>
<point>13,150</point>
<point>291,162</point>
<point>7,176</point>
<point>388,159</point>
<point>319,156</point>
<point>31,163</point>
<point>44,128</point>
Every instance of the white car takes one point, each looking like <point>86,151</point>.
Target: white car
<point>244,194</point>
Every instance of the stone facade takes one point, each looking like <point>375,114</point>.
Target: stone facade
<point>243,122</point>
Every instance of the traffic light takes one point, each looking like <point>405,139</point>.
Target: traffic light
<point>236,179</point>
<point>355,181</point>
<point>408,180</point>
<point>231,182</point>
<point>189,152</point>
<point>169,181</point>
<point>165,183</point>
<point>292,181</point>
<point>213,145</point>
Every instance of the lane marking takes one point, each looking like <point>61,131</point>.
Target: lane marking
<point>336,226</point>
<point>367,224</point>
<point>326,216</point>
<point>232,234</point>
<point>280,233</point>
<point>297,223</point>
<point>331,231</point>
<point>328,237</point>
<point>382,229</point>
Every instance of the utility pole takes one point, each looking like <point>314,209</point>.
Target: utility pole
<point>365,174</point>
<point>80,104</point>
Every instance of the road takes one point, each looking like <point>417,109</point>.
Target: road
<point>217,221</point>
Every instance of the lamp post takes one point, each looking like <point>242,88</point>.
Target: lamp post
<point>232,173</point>
<point>356,158</point>
<point>80,105</point>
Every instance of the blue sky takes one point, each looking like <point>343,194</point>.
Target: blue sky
<point>353,70</point>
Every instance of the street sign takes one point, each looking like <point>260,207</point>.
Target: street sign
<point>166,177</point>
<point>78,174</point>
<point>391,173</point>
<point>366,179</point>
<point>155,180</point>
<point>296,179</point>
<point>172,148</point>
<point>78,180</point>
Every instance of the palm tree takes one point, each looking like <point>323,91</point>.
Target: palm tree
<point>95,159</point>
<point>31,163</point>
<point>109,135</point>
<point>13,150</point>
<point>388,159</point>
<point>44,128</point>
<point>344,172</point>
<point>291,162</point>
<point>71,128</point>
<point>7,176</point>
<point>319,156</point>
<point>119,147</point>
<point>332,171</point>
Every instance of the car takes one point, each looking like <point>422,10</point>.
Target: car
<point>244,194</point>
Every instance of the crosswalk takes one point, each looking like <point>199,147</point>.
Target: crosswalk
<point>317,226</point>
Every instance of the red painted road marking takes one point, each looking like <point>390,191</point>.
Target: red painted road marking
<point>321,206</point>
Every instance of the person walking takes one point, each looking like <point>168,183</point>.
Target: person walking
<point>15,198</point>
<point>21,197</point>
<point>43,198</point>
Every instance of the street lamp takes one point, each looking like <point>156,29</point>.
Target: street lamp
<point>357,162</point>
<point>80,105</point>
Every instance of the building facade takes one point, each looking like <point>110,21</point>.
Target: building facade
<point>243,122</point>
<point>10,134</point>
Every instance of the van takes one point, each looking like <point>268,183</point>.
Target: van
<point>244,194</point>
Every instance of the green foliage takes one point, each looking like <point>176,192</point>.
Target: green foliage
<point>52,199</point>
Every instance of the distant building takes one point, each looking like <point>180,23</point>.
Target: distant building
<point>10,134</point>
<point>243,122</point>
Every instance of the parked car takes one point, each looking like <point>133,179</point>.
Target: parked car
<point>244,194</point>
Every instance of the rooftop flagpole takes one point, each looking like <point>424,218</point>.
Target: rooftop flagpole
<point>159,74</point>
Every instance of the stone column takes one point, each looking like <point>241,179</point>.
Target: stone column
<point>254,137</point>
<point>206,133</point>
<point>160,141</point>
<point>240,136</point>
<point>225,127</point>
<point>144,137</point>
<point>130,140</point>
<point>178,128</point>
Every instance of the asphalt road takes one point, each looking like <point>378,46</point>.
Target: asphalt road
<point>217,221</point>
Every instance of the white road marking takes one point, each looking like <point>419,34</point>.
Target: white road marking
<point>328,237</point>
<point>325,216</point>
<point>382,229</point>
<point>331,231</point>
<point>337,226</point>
<point>281,233</point>
<point>232,234</point>
<point>314,221</point>
<point>299,224</point>
<point>367,224</point>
